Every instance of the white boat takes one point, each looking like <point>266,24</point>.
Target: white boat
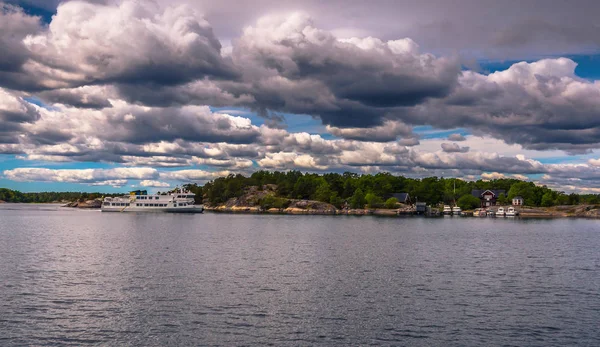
<point>447,210</point>
<point>457,211</point>
<point>491,213</point>
<point>511,212</point>
<point>139,201</point>
<point>500,212</point>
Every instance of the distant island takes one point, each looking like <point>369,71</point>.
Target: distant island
<point>383,193</point>
<point>15,196</point>
<point>295,192</point>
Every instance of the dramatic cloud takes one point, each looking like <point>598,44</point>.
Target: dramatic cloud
<point>79,175</point>
<point>131,84</point>
<point>14,114</point>
<point>15,25</point>
<point>292,66</point>
<point>541,105</point>
<point>136,124</point>
<point>132,42</point>
<point>453,147</point>
<point>389,131</point>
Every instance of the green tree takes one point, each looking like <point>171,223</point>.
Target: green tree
<point>391,203</point>
<point>502,199</point>
<point>373,201</point>
<point>323,192</point>
<point>335,200</point>
<point>358,199</point>
<point>468,202</point>
<point>525,190</point>
<point>547,199</point>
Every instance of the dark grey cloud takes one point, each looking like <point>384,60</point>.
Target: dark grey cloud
<point>389,131</point>
<point>15,25</point>
<point>15,113</point>
<point>292,66</point>
<point>164,47</point>
<point>454,148</point>
<point>365,89</point>
<point>200,92</point>
<point>83,97</point>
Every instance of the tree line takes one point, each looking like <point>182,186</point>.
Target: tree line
<point>356,191</point>
<point>8,195</point>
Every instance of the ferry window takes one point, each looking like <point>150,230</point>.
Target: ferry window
<point>156,197</point>
<point>137,204</point>
<point>175,205</point>
<point>146,205</point>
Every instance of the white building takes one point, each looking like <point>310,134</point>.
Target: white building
<point>517,201</point>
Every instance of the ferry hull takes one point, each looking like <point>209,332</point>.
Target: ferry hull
<point>154,209</point>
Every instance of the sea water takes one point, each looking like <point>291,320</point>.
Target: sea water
<point>76,277</point>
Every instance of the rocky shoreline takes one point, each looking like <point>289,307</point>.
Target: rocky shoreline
<point>87,204</point>
<point>308,207</point>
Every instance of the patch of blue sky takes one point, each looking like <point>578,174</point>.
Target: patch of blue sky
<point>35,101</point>
<point>428,132</point>
<point>294,122</point>
<point>31,9</point>
<point>567,159</point>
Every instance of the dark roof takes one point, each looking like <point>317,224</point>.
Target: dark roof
<point>479,192</point>
<point>402,197</point>
<point>518,197</point>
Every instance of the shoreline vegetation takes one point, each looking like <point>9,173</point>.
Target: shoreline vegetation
<point>294,192</point>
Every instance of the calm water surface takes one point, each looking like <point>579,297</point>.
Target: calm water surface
<point>71,277</point>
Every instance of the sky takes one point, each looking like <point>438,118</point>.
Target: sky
<point>115,95</point>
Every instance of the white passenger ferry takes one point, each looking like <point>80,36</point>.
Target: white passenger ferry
<point>140,201</point>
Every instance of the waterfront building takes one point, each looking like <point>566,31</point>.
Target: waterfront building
<point>518,201</point>
<point>488,197</point>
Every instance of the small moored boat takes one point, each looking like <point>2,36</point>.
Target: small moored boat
<point>511,212</point>
<point>500,212</point>
<point>457,211</point>
<point>447,210</point>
